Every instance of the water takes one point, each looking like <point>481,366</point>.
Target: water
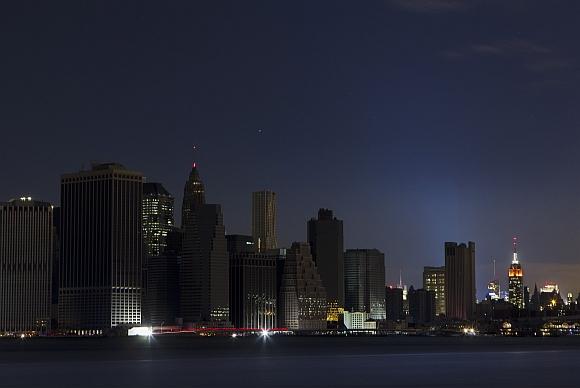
<point>291,362</point>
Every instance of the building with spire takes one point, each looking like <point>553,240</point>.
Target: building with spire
<point>516,280</point>
<point>204,270</point>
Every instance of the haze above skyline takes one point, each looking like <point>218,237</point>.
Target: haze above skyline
<point>417,122</point>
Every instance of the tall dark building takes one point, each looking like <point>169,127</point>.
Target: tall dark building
<point>516,280</point>
<point>302,295</point>
<point>394,304</point>
<point>161,301</point>
<point>264,220</point>
<point>421,305</point>
<point>157,218</point>
<point>204,270</point>
<point>26,253</point>
<point>364,271</point>
<point>460,280</point>
<point>101,249</point>
<point>253,296</point>
<point>326,242</point>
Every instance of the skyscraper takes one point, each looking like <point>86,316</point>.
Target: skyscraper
<point>326,243</point>
<point>157,218</point>
<point>101,249</point>
<point>26,253</point>
<point>421,306</point>
<point>516,280</point>
<point>253,296</point>
<point>264,220</point>
<point>460,280</point>
<point>302,295</point>
<point>364,271</point>
<point>434,280</point>
<point>394,303</point>
<point>204,270</point>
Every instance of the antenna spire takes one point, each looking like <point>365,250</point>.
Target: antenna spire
<point>515,243</point>
<point>194,164</point>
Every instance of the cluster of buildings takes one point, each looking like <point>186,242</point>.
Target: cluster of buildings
<point>110,257</point>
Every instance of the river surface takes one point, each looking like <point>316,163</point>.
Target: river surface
<point>291,362</point>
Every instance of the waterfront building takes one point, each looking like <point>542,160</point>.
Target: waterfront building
<point>253,298</point>
<point>101,249</point>
<point>26,260</point>
<point>204,269</point>
<point>325,237</point>
<point>364,271</point>
<point>460,280</point>
<point>302,297</point>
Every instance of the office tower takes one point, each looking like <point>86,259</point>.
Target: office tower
<point>26,251</point>
<point>394,303</point>
<point>264,220</point>
<point>364,271</point>
<point>240,243</point>
<point>493,290</point>
<point>157,218</point>
<point>421,306</point>
<point>326,243</point>
<point>204,269</point>
<point>434,280</point>
<point>302,295</point>
<point>253,298</point>
<point>516,280</point>
<point>460,280</point>
<point>535,300</point>
<point>55,282</point>
<point>101,249</point>
<point>550,287</point>
<point>161,300</point>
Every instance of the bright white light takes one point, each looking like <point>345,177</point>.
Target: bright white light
<point>140,331</point>
<point>22,336</point>
<point>234,335</point>
<point>265,333</point>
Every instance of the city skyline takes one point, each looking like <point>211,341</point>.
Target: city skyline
<point>395,128</point>
<point>393,274</point>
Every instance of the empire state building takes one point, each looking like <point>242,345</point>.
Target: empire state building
<point>516,280</point>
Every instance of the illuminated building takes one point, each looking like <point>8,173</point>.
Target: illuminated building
<point>252,284</point>
<point>26,253</point>
<point>550,287</point>
<point>493,290</point>
<point>394,304</point>
<point>101,249</point>
<point>358,321</point>
<point>326,242</point>
<point>434,280</point>
<point>264,220</point>
<point>302,297</point>
<point>364,271</point>
<point>157,218</point>
<point>204,270</point>
<point>516,280</point>
<point>460,280</point>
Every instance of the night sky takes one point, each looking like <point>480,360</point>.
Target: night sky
<point>416,121</point>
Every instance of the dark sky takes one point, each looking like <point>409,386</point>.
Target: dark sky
<point>416,121</point>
